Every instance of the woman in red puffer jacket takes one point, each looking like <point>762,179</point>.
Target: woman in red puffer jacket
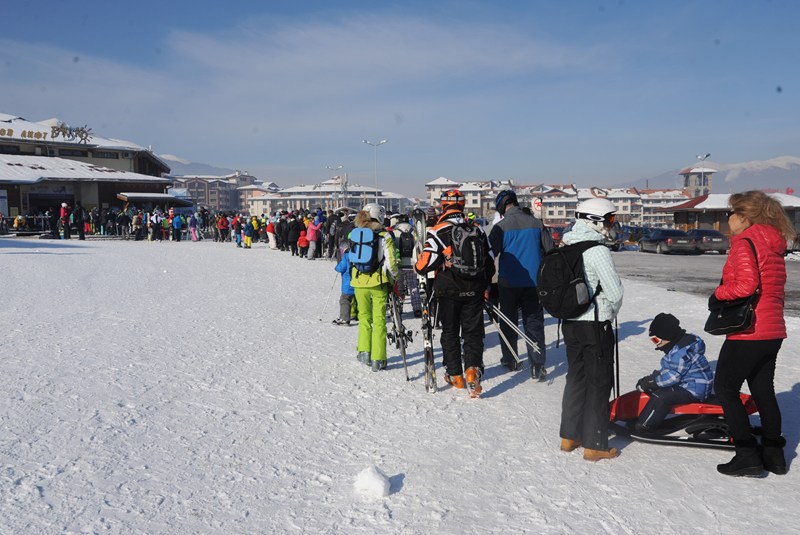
<point>751,355</point>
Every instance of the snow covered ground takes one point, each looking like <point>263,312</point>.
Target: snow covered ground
<point>199,388</point>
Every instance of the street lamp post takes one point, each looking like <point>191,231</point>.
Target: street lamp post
<point>375,146</point>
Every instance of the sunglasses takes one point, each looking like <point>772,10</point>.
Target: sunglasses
<point>729,213</point>
<point>656,340</point>
<point>607,220</point>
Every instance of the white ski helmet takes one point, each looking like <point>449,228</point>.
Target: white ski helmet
<point>598,214</point>
<point>376,211</point>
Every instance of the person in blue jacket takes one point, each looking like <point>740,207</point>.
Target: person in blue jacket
<point>346,299</point>
<point>685,375</point>
<point>520,240</point>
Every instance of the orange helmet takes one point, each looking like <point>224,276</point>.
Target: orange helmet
<point>452,198</point>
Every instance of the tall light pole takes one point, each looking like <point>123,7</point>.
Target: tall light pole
<point>375,146</point>
<point>702,159</point>
<point>334,169</point>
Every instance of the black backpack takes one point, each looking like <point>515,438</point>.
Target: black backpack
<point>468,246</point>
<point>561,282</point>
<point>406,244</point>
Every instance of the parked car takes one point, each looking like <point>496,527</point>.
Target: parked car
<point>664,240</point>
<point>709,240</point>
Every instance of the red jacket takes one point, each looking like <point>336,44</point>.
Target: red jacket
<point>302,241</point>
<point>739,279</point>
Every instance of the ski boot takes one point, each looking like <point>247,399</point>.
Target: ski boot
<point>456,381</point>
<point>473,379</point>
<point>511,364</point>
<point>378,365</point>
<point>363,357</point>
<point>568,445</point>
<point>538,372</point>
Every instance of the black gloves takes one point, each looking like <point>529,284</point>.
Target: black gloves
<point>647,383</point>
<point>713,302</point>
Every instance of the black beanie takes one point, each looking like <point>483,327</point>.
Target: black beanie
<point>667,327</point>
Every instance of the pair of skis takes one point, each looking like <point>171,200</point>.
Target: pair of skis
<point>427,324</point>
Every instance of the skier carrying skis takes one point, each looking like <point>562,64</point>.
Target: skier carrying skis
<point>460,251</point>
<point>685,375</point>
<point>589,338</point>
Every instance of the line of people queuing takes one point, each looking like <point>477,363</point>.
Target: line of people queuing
<point>510,256</point>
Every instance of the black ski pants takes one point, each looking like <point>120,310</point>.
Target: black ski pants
<point>585,406</point>
<point>752,361</point>
<point>526,299</point>
<point>661,402</point>
<point>461,318</point>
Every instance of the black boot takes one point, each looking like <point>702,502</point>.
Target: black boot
<point>774,461</point>
<point>747,462</point>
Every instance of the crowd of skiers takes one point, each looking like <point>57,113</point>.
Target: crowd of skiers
<point>514,273</point>
<point>515,269</point>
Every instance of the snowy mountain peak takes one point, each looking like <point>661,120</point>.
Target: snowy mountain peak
<point>776,173</point>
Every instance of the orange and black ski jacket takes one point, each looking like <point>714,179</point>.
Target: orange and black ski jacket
<point>437,251</point>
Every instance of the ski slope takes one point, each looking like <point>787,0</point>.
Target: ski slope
<point>182,388</point>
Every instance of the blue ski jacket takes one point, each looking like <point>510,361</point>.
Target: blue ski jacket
<point>520,240</point>
<point>685,365</point>
<point>343,267</point>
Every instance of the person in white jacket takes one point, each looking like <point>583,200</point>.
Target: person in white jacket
<point>589,339</point>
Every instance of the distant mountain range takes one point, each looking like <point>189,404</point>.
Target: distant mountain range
<point>778,174</point>
<point>179,166</point>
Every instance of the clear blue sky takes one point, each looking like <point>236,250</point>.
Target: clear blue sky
<point>538,91</point>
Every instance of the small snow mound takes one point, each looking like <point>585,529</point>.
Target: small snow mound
<point>372,483</point>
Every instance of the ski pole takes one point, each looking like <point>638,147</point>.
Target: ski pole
<point>616,351</point>
<point>328,299</point>
<point>515,327</point>
<point>503,336</point>
<point>399,332</point>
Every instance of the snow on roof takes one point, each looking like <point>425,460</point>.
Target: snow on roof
<point>617,193</point>
<point>719,201</point>
<point>697,170</point>
<point>471,186</point>
<point>442,181</point>
<point>252,187</point>
<point>32,169</point>
<point>43,131</point>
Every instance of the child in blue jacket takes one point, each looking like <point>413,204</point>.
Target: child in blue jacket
<point>346,299</point>
<point>685,375</point>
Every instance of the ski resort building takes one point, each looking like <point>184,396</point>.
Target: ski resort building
<point>43,164</point>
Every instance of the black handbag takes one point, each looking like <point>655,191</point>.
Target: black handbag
<point>736,315</point>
